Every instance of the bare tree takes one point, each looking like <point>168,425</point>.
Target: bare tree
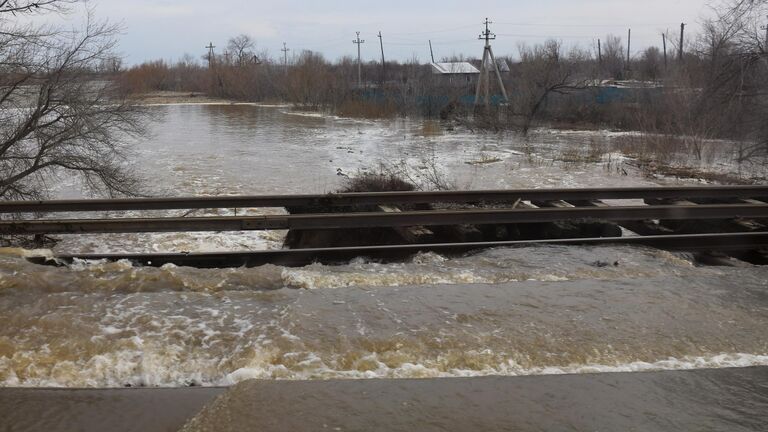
<point>241,48</point>
<point>613,57</point>
<point>31,6</point>
<point>544,70</point>
<point>56,117</point>
<point>651,63</point>
<point>720,89</point>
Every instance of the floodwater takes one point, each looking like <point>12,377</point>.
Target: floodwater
<point>502,312</point>
<point>245,150</point>
<point>544,310</point>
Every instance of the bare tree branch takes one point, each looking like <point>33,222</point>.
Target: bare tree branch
<point>56,117</point>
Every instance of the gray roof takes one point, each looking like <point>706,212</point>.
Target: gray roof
<point>454,68</point>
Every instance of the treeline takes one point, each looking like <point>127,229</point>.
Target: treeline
<point>308,81</point>
<point>718,89</point>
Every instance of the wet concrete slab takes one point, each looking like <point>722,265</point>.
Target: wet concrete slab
<point>697,400</point>
<point>97,410</point>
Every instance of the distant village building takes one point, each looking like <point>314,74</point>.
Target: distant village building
<point>457,73</point>
<point>460,73</point>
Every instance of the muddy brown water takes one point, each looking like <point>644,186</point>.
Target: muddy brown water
<point>504,312</point>
<point>498,312</point>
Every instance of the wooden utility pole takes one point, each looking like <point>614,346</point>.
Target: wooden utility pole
<point>383,63</point>
<point>359,42</point>
<point>485,68</point>
<point>599,53</point>
<point>431,53</point>
<point>629,45</point>
<point>682,40</point>
<point>664,42</point>
<point>210,54</point>
<point>285,50</point>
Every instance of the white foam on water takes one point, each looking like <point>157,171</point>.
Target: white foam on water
<point>170,366</point>
<point>494,266</point>
<point>416,370</point>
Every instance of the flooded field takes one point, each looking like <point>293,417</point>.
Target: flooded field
<point>525,311</point>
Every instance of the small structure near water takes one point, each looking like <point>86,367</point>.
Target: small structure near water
<point>455,73</point>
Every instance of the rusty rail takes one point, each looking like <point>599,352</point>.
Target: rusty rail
<point>367,220</point>
<point>376,198</point>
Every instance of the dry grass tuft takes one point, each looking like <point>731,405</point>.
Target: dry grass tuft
<point>377,182</point>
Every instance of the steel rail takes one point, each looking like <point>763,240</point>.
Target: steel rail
<point>372,198</point>
<point>301,257</point>
<point>372,219</point>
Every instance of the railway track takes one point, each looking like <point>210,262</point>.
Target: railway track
<point>372,220</point>
<point>374,198</point>
<point>743,209</point>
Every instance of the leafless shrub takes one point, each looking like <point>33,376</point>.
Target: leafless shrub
<point>591,154</point>
<point>377,182</point>
<point>425,174</point>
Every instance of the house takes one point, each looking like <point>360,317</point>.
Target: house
<point>456,73</point>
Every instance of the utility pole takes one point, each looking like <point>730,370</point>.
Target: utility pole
<point>359,42</point>
<point>599,53</point>
<point>629,45</point>
<point>210,54</point>
<point>485,70</point>
<point>383,63</point>
<point>664,42</point>
<point>682,39</point>
<point>431,53</point>
<point>285,50</point>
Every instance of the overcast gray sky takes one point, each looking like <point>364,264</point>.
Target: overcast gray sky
<point>169,28</point>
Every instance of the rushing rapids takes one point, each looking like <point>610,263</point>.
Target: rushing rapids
<point>499,312</point>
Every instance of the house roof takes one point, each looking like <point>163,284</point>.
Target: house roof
<point>454,68</point>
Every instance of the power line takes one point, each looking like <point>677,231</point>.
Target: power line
<point>464,27</point>
<point>530,24</point>
<point>519,35</point>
